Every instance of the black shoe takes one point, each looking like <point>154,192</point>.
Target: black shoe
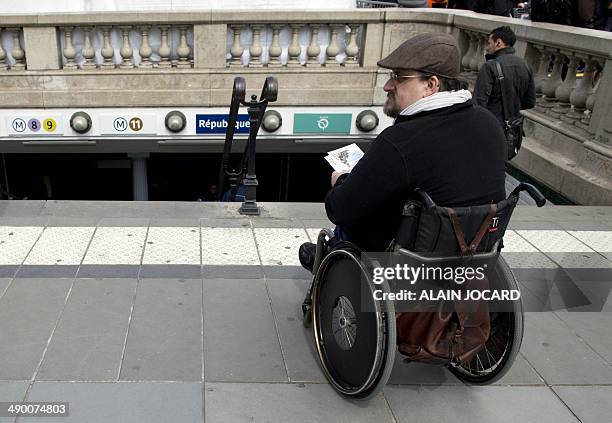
<point>307,254</point>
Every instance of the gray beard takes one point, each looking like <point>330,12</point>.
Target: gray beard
<point>391,110</point>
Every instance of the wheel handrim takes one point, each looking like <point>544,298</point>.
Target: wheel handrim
<point>352,379</point>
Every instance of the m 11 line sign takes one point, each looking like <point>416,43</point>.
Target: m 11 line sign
<point>128,124</point>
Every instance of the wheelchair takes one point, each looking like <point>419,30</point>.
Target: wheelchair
<point>356,347</point>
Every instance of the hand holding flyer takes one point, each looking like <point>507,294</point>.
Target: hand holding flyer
<point>345,158</point>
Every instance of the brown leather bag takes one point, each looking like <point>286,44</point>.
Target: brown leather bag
<point>443,333</point>
<point>441,336</point>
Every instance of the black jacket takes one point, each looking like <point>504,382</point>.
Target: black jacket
<point>520,75</point>
<point>456,154</point>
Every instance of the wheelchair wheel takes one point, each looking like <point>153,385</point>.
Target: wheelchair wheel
<point>356,348</point>
<point>504,343</point>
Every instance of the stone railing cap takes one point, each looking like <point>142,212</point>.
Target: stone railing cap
<point>108,18</point>
<point>297,16</point>
<point>18,20</point>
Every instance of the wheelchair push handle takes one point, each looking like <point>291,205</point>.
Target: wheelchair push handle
<point>425,199</point>
<point>532,191</point>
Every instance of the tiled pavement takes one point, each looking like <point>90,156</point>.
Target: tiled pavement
<point>157,312</point>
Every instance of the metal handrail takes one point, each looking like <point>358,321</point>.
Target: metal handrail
<point>246,170</point>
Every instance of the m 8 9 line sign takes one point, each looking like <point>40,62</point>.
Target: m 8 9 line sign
<point>34,125</point>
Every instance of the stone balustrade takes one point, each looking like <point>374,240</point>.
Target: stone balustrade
<point>568,144</point>
<point>567,84</point>
<point>294,45</point>
<point>126,46</point>
<point>12,53</point>
<point>568,65</point>
<point>566,80</point>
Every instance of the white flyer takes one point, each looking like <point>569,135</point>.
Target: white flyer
<point>345,158</point>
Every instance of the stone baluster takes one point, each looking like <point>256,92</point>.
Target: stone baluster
<point>107,51</point>
<point>584,88</point>
<point>467,57</point>
<point>88,51</point>
<point>295,49</point>
<point>585,122</point>
<point>313,49</point>
<point>352,48</point>
<point>126,50</point>
<point>3,59</point>
<point>183,49</point>
<point>275,50</point>
<point>164,49</point>
<point>255,50</point>
<point>482,42</point>
<point>145,50</point>
<point>542,73</point>
<point>564,91</point>
<point>69,51</point>
<point>236,50</point>
<point>475,60</point>
<point>332,49</point>
<point>17,52</point>
<point>550,85</point>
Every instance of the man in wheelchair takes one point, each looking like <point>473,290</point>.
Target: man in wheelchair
<point>442,149</point>
<point>441,142</point>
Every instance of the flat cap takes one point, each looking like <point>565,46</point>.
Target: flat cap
<point>434,53</point>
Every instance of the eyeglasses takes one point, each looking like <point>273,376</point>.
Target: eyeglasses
<point>397,78</point>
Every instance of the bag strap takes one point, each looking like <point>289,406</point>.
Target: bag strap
<point>460,236</point>
<point>483,228</point>
<point>458,231</point>
<point>503,88</point>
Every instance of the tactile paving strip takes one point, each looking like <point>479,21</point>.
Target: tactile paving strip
<point>279,246</point>
<point>16,242</point>
<point>600,241</point>
<point>60,245</point>
<point>554,241</point>
<point>229,246</point>
<point>513,243</point>
<point>116,245</point>
<point>172,245</point>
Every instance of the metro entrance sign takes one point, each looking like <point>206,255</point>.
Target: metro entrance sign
<point>34,125</point>
<point>137,124</point>
<point>329,123</point>
<point>217,124</point>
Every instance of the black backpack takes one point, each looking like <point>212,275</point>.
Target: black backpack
<point>552,11</point>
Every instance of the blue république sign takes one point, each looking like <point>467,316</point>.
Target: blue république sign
<point>217,124</point>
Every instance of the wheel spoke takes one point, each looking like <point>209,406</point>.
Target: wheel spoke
<point>478,362</point>
<point>348,339</point>
<point>490,356</point>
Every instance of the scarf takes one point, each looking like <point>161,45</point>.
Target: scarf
<point>437,101</point>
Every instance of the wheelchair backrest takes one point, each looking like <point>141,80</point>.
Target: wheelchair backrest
<point>445,231</point>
